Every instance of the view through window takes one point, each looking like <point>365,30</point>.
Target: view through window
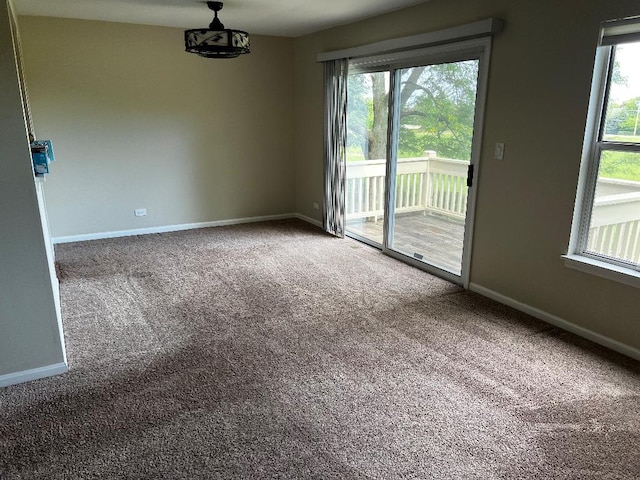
<point>434,109</point>
<point>614,226</point>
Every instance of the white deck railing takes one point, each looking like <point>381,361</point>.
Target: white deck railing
<point>422,184</point>
<point>432,184</point>
<point>615,222</point>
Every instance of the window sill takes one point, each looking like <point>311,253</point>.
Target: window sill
<point>603,269</point>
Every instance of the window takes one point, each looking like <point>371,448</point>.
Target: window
<point>606,233</point>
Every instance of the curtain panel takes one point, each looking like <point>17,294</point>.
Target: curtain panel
<point>335,72</point>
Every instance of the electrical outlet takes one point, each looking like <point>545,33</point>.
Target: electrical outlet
<point>140,212</point>
<point>499,151</point>
<point>316,206</point>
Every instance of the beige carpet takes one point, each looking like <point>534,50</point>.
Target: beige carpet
<point>274,351</point>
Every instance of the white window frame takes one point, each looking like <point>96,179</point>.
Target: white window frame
<point>611,34</point>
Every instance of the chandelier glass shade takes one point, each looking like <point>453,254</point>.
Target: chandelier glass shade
<point>216,41</point>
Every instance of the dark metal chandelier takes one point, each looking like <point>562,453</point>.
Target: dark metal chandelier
<point>216,41</point>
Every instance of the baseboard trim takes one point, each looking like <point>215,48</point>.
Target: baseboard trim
<point>558,322</point>
<point>169,228</point>
<point>310,220</point>
<point>33,374</point>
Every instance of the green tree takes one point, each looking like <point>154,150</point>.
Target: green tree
<point>631,110</point>
<point>622,117</point>
<point>437,105</point>
<point>437,109</point>
<point>358,111</point>
<point>367,114</point>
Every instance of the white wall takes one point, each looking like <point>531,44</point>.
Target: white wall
<point>30,334</point>
<point>138,123</point>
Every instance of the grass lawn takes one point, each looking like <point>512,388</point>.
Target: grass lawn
<point>620,165</point>
<point>622,138</point>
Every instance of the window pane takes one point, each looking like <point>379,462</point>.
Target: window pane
<point>614,230</point>
<point>622,118</point>
<point>437,108</point>
<point>367,118</point>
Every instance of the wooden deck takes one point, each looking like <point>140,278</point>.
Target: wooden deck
<point>437,238</point>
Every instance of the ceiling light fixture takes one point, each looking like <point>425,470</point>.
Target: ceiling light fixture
<point>216,41</point>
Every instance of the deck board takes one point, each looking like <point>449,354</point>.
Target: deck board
<point>438,238</point>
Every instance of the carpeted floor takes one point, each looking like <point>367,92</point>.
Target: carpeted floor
<point>274,351</point>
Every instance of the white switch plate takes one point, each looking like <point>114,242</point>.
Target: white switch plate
<point>140,212</point>
<point>499,151</point>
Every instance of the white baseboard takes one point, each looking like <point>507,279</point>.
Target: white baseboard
<point>558,322</point>
<point>170,228</point>
<point>33,374</point>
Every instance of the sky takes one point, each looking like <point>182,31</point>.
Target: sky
<point>628,56</point>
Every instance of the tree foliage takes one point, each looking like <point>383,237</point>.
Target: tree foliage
<point>437,105</point>
<point>367,114</point>
<point>622,117</point>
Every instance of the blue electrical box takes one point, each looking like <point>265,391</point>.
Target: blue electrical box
<point>41,156</point>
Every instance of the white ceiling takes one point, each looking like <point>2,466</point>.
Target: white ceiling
<point>287,18</point>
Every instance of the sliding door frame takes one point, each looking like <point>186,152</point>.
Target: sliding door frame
<point>475,49</point>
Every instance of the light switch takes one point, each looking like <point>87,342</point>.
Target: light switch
<point>499,152</point>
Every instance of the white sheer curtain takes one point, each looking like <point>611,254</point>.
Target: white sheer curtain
<point>335,145</point>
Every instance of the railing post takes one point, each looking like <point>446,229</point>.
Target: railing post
<point>427,185</point>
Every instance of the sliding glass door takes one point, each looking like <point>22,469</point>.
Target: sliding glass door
<point>412,146</point>
<point>434,136</point>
